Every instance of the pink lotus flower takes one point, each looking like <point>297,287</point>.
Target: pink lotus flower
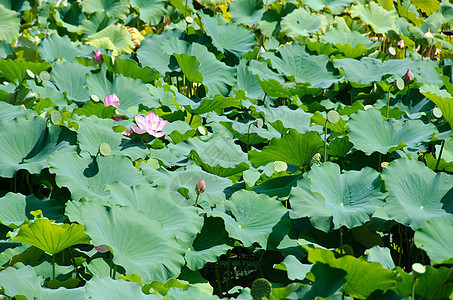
<point>97,57</point>
<point>200,187</point>
<point>127,132</point>
<point>150,124</point>
<point>112,100</point>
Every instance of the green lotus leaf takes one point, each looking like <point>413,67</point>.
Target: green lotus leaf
<point>351,43</point>
<point>278,186</point>
<point>191,292</point>
<point>15,70</point>
<point>9,25</point>
<point>263,72</point>
<point>129,91</point>
<point>248,133</point>
<point>108,288</point>
<point>93,132</point>
<point>138,244</point>
<point>88,177</point>
<point>381,255</point>
<point>270,24</point>
<point>228,37</point>
<point>156,52</point>
<point>296,269</point>
<point>294,148</point>
<point>348,198</point>
<point>5,49</point>
<point>129,68</point>
<point>69,78</point>
<point>416,193</point>
<point>30,145</point>
<point>113,8</point>
<point>427,6</point>
<point>247,82</point>
<point>55,46</point>
<point>248,12</point>
<point>166,206</point>
<point>189,66</point>
<point>380,19</point>
<point>370,133</point>
<point>221,157</point>
<point>442,98</point>
<point>368,70</point>
<point>336,6</point>
<point>24,281</point>
<point>113,38</point>
<point>434,237</point>
<point>209,245</point>
<point>362,277</point>
<point>301,23</point>
<point>50,237</point>
<point>254,217</point>
<point>151,11</point>
<point>296,62</point>
<point>187,178</point>
<point>283,118</point>
<point>207,105</point>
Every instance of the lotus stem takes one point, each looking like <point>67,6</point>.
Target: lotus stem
<point>325,141</point>
<point>53,266</point>
<point>248,135</point>
<point>196,200</point>
<point>219,279</point>
<point>440,154</point>
<point>388,104</point>
<point>341,240</point>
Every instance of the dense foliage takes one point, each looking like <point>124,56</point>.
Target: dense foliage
<point>176,149</point>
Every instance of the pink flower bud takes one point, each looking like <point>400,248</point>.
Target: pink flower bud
<point>200,187</point>
<point>97,57</point>
<point>127,132</point>
<point>102,248</point>
<point>408,76</point>
<point>112,100</point>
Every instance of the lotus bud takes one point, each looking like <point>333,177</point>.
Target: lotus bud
<point>200,187</point>
<point>112,100</point>
<point>97,57</point>
<point>408,76</point>
<point>102,248</point>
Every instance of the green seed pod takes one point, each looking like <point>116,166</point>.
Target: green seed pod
<point>261,288</point>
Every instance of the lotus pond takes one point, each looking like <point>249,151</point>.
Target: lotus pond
<point>242,149</point>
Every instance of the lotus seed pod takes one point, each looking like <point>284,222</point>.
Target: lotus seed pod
<point>418,269</point>
<point>261,288</point>
<point>333,116</point>
<point>384,164</point>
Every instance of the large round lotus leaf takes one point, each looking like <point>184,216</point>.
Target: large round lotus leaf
<point>138,244</point>
<point>370,133</point>
<point>228,37</point>
<point>211,242</point>
<point>157,50</point>
<point>15,70</point>
<point>351,43</point>
<point>113,8</point>
<point>247,82</point>
<point>416,193</point>
<point>301,23</point>
<point>129,91</point>
<point>108,288</point>
<point>9,25</point>
<point>88,177</point>
<point>113,38</point>
<point>254,217</point>
<point>219,156</point>
<point>192,292</point>
<point>50,237</point>
<point>9,112</point>
<point>380,19</point>
<point>442,98</point>
<point>53,47</point>
<point>151,11</point>
<point>246,11</point>
<point>24,281</point>
<point>188,178</point>
<point>27,144</point>
<point>434,236</point>
<point>70,78</point>
<point>296,62</point>
<point>69,16</point>
<point>283,118</point>
<point>362,277</point>
<point>337,6</point>
<point>294,148</point>
<point>350,198</point>
<point>93,132</point>
<point>168,207</point>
